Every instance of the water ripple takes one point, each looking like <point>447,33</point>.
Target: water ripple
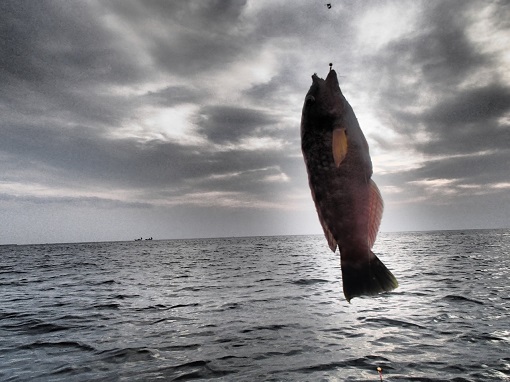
<point>267,308</point>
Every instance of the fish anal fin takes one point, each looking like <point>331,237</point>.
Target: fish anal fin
<point>376,207</point>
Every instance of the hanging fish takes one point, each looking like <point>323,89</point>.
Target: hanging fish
<point>347,200</point>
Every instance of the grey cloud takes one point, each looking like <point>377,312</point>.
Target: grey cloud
<point>46,43</point>
<point>215,15</point>
<point>175,95</point>
<point>190,37</point>
<point>283,83</point>
<point>58,62</point>
<point>475,105</point>
<point>83,157</point>
<point>429,65</point>
<point>95,202</point>
<point>310,23</point>
<point>420,87</point>
<point>468,121</point>
<point>467,139</point>
<point>478,169</point>
<point>491,167</point>
<point>223,124</point>
<point>186,57</point>
<point>72,75</point>
<point>443,52</point>
<point>461,194</point>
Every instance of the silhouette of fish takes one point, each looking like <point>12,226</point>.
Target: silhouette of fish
<point>347,200</point>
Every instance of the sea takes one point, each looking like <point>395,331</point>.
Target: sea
<point>255,309</point>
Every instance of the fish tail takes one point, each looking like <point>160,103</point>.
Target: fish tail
<point>368,278</point>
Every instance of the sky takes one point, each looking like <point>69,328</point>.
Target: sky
<point>180,119</point>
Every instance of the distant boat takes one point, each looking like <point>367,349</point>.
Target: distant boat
<point>140,239</point>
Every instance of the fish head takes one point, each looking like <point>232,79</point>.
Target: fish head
<point>326,114</point>
<point>325,101</point>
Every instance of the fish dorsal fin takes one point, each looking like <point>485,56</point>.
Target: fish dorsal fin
<point>375,211</point>
<point>329,236</point>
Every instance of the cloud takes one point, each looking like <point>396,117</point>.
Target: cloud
<point>185,38</point>
<point>476,128</point>
<point>474,105</point>
<point>444,52</point>
<point>195,106</point>
<point>174,95</point>
<point>222,124</point>
<point>157,172</point>
<point>443,98</point>
<point>74,47</point>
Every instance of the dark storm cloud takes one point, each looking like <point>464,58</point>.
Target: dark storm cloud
<point>187,37</point>
<point>478,105</point>
<point>309,23</point>
<point>277,89</point>
<point>74,156</point>
<point>444,52</point>
<point>470,121</point>
<point>58,62</point>
<point>61,109</point>
<point>422,86</point>
<point>46,41</point>
<point>70,158</point>
<point>479,169</point>
<point>174,95</point>
<point>223,124</point>
<point>86,87</point>
<point>438,57</point>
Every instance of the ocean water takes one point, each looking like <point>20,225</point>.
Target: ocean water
<point>255,309</point>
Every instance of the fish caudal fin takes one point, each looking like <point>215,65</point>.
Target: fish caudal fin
<point>367,279</point>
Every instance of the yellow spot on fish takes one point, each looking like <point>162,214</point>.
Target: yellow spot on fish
<point>339,144</point>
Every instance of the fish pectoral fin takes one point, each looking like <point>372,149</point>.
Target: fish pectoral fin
<point>339,145</point>
<point>375,211</point>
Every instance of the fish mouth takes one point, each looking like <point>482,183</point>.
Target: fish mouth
<point>332,80</point>
<point>316,79</point>
<point>331,74</point>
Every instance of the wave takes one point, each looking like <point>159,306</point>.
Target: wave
<point>123,355</point>
<point>58,344</point>
<point>461,299</point>
<point>385,322</point>
<point>309,281</point>
<point>162,307</point>
<point>275,316</point>
<point>198,370</point>
<point>34,326</point>
<point>366,362</point>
